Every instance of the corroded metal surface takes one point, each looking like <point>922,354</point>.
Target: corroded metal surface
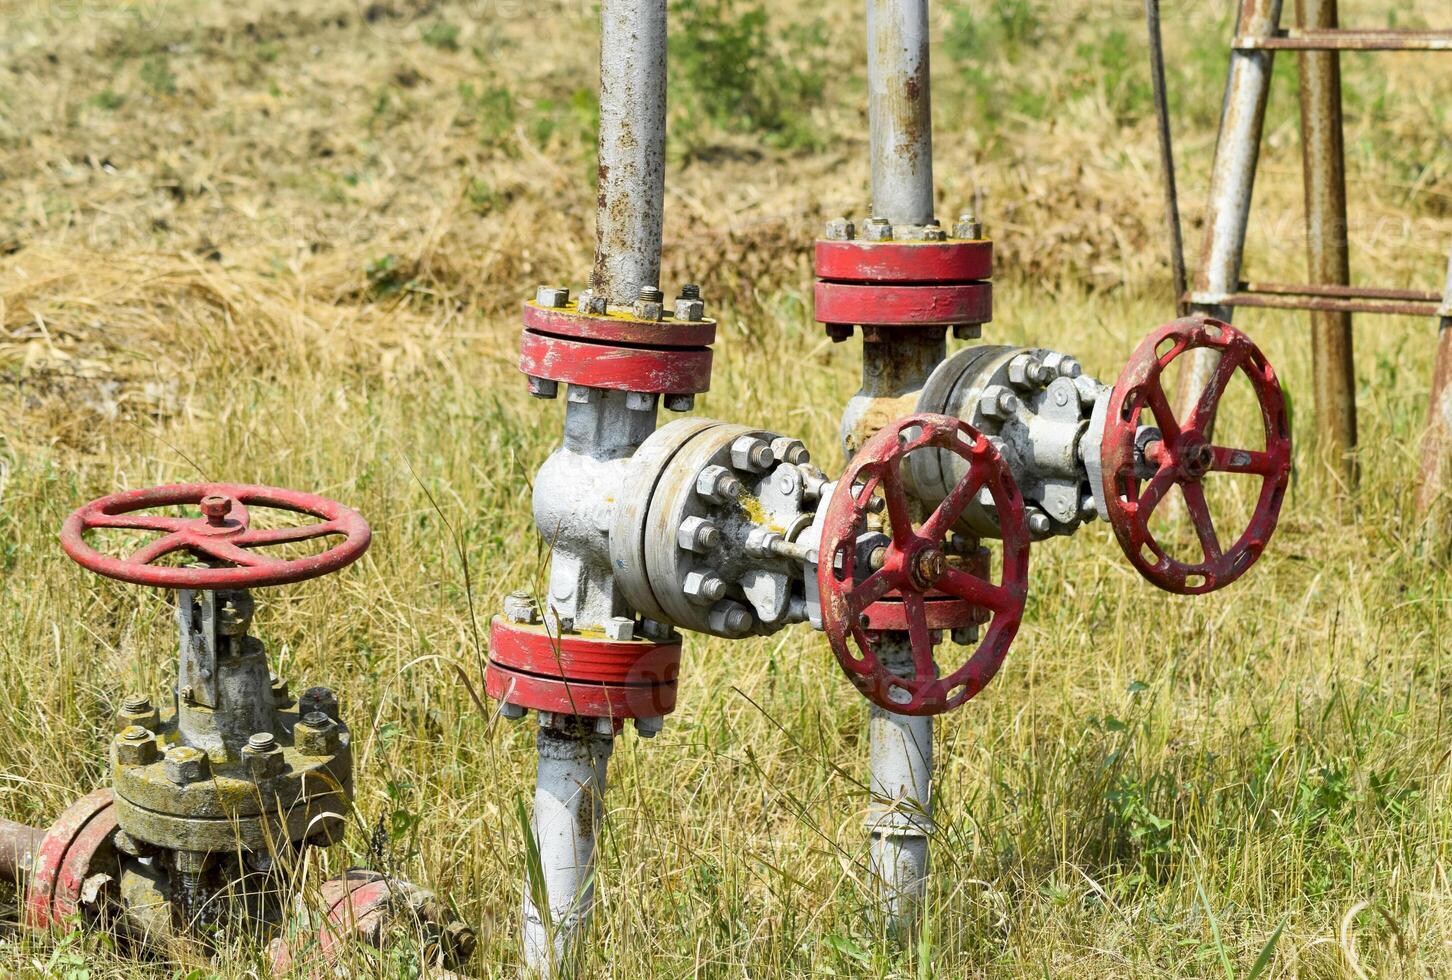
<point>631,170</point>
<point>914,564</point>
<point>78,846</point>
<point>899,110</point>
<point>222,534</point>
<point>1333,375</point>
<point>1183,455</point>
<point>621,367</point>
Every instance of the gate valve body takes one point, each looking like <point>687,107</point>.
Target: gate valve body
<point>1139,465</point>
<point>908,569</point>
<point>214,794</point>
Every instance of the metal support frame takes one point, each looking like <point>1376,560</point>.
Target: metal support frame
<point>1329,297</point>
<point>1436,469</point>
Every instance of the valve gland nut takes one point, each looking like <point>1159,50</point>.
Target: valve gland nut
<point>698,534</point>
<point>751,454</point>
<point>729,618</point>
<point>316,734</point>
<point>135,746</point>
<point>718,484</point>
<point>790,450</point>
<point>318,699</point>
<point>185,765</point>
<point>703,587</point>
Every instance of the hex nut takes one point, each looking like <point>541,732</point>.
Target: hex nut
<point>544,388</point>
<point>136,709</point>
<point>555,297</point>
<point>185,765</point>
<point>691,310</point>
<point>877,230</point>
<point>650,304</point>
<point>839,230</point>
<point>703,587</point>
<point>649,726</point>
<point>967,226</point>
<point>1026,371</point>
<point>588,302</point>
<point>264,762</point>
<point>1062,365</point>
<point>752,454</point>
<point>520,607</point>
<point>234,613</point>
<point>760,540</point>
<point>1039,524</point>
<point>790,450</point>
<point>698,534</point>
<point>998,402</point>
<point>965,635</point>
<point>281,697</point>
<point>933,232</point>
<point>316,734</point>
<point>718,484</point>
<point>620,628</point>
<point>640,401</point>
<point>318,699</point>
<point>512,712</point>
<point>680,403</point>
<point>967,331</point>
<point>136,746</point>
<point>729,618</point>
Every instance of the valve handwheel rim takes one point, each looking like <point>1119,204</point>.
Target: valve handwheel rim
<point>914,563</point>
<point>1185,454</point>
<point>223,533</point>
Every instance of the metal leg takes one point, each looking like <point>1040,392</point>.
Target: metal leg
<point>1232,180</point>
<point>1436,470</point>
<point>1324,170</point>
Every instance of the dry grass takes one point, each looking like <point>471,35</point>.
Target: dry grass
<point>266,244</point>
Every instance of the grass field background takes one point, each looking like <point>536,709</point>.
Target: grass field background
<point>286,243</point>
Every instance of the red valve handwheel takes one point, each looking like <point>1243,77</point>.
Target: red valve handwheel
<point>914,564</point>
<point>1184,455</point>
<point>222,534</point>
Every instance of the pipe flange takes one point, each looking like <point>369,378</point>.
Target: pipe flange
<point>618,366</point>
<point>953,260</point>
<point>618,327</point>
<point>77,864</point>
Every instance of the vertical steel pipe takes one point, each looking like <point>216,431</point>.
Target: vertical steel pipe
<point>1436,469</point>
<point>1167,153</point>
<point>19,843</point>
<point>631,174</point>
<point>559,892</point>
<point>899,111</point>
<point>1232,181</point>
<point>1324,172</point>
<point>894,366</point>
<point>900,820</point>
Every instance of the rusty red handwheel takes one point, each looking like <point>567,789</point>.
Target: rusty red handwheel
<point>1184,455</point>
<point>222,534</point>
<point>914,563</point>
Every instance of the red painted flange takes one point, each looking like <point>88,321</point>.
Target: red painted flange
<point>957,260</point>
<point>77,846</point>
<point>662,371</point>
<point>222,533</point>
<point>618,328</point>
<point>914,565</point>
<point>1184,455</point>
<point>897,305</point>
<point>581,675</point>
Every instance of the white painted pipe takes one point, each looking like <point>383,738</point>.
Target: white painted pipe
<point>568,801</point>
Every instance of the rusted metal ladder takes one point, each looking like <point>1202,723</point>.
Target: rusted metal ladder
<point>1330,297</point>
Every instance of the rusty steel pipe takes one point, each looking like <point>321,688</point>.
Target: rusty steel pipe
<point>1436,468</point>
<point>899,111</point>
<point>631,172</point>
<point>1323,169</point>
<point>1349,40</point>
<point>1232,181</point>
<point>19,843</point>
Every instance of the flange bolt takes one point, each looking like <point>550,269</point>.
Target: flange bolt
<point>790,450</point>
<point>1063,365</point>
<point>649,726</point>
<point>1027,371</point>
<point>752,454</point>
<point>316,734</point>
<point>703,587</point>
<point>729,618</point>
<point>839,230</point>
<point>689,305</point>
<point>1039,524</point>
<point>877,230</point>
<point>698,534</point>
<point>554,297</point>
<point>998,402</point>
<point>651,303</point>
<point>318,699</point>
<point>965,635</point>
<point>135,746</point>
<point>136,709</point>
<point>968,226</point>
<point>718,484</point>
<point>264,755</point>
<point>520,607</point>
<point>185,765</point>
<point>621,628</point>
<point>544,388</point>
<point>679,403</point>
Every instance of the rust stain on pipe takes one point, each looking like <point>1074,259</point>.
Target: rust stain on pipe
<point>19,843</point>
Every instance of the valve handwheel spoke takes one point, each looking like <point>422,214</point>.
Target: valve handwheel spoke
<point>222,536</point>
<point>1184,456</point>
<point>915,563</point>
